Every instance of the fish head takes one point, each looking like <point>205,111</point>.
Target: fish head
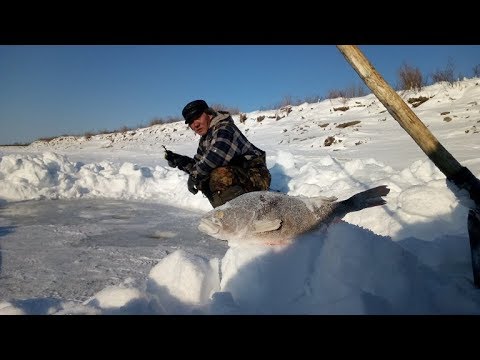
<point>247,218</point>
<point>212,223</point>
<point>223,223</point>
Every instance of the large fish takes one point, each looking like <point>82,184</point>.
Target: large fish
<point>275,218</point>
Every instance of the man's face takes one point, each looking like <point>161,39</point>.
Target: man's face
<point>200,125</point>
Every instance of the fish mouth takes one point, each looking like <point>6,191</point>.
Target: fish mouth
<point>208,227</point>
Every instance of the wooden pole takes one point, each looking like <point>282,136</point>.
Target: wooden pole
<point>474,235</point>
<point>448,165</point>
<point>400,111</point>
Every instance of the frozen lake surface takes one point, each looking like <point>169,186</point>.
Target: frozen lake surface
<point>71,249</point>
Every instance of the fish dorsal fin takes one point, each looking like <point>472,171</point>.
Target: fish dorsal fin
<point>266,225</point>
<point>317,201</point>
<point>325,198</point>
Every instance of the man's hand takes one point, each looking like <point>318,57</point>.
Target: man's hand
<point>171,158</point>
<point>192,186</point>
<point>176,160</point>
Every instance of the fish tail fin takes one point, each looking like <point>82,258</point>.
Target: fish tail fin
<point>365,199</point>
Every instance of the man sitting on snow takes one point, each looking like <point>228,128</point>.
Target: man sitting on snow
<point>226,164</point>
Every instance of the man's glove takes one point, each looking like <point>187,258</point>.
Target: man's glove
<point>192,186</point>
<point>176,160</point>
<point>171,158</point>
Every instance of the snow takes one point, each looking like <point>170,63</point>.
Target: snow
<point>104,226</point>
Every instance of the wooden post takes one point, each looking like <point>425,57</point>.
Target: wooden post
<point>474,235</point>
<point>401,112</point>
<point>458,174</point>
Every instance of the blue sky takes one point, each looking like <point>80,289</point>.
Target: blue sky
<point>48,90</point>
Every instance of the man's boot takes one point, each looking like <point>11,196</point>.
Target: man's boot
<point>221,197</point>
